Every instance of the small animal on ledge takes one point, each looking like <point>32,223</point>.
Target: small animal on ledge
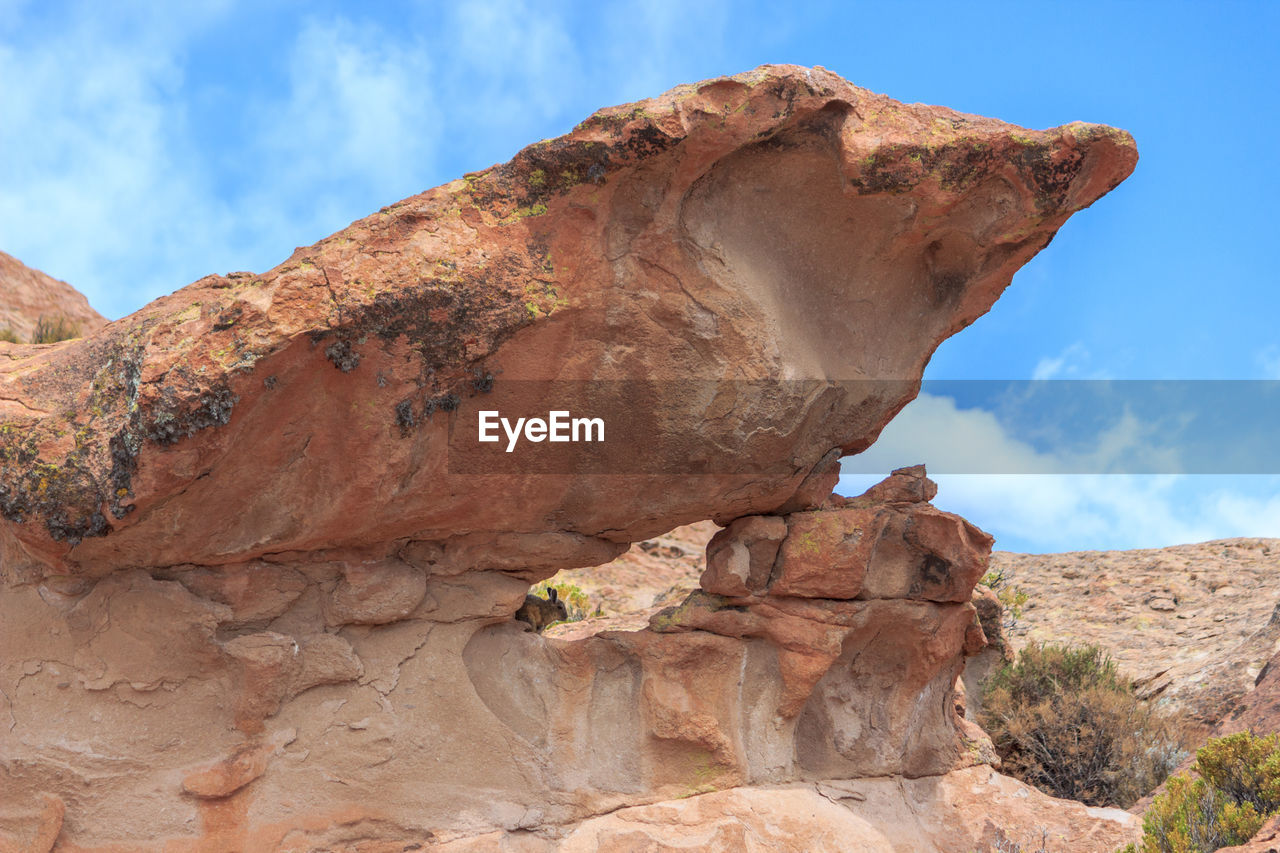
<point>541,612</point>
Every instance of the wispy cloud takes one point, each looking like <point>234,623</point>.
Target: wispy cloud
<point>1071,363</point>
<point>974,439</point>
<point>98,176</point>
<point>1046,509</point>
<point>356,127</point>
<point>1269,360</point>
<point>129,169</point>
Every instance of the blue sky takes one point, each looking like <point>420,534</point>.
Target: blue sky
<point>143,146</point>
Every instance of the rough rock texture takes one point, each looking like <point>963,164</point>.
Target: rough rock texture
<point>27,294</point>
<point>704,263</point>
<point>459,719</point>
<point>260,577</point>
<point>981,666</point>
<point>1194,624</point>
<point>969,810</point>
<point>1257,711</point>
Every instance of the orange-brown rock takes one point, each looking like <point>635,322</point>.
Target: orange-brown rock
<point>259,585</point>
<point>1202,656</point>
<point>740,277</point>
<point>826,554</point>
<point>1257,711</point>
<point>765,689</point>
<point>740,557</point>
<point>964,811</point>
<point>27,295</point>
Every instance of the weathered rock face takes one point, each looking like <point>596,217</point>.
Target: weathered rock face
<point>27,294</point>
<point>1194,625</point>
<point>269,701</point>
<point>969,810</point>
<point>695,269</point>
<point>263,730</point>
<point>260,579</point>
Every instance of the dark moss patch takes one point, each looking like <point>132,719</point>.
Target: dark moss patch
<point>442,403</point>
<point>1050,177</point>
<point>405,418</point>
<point>212,408</point>
<point>549,170</point>
<point>343,355</point>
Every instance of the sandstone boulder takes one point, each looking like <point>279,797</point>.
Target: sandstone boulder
<point>743,278</point>
<point>260,574</point>
<point>968,810</point>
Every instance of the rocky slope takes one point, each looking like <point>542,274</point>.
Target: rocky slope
<point>27,294</point>
<point>1194,624</point>
<point>260,571</point>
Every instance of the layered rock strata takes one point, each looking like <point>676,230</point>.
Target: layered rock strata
<point>276,690</point>
<point>265,730</point>
<point>259,575</point>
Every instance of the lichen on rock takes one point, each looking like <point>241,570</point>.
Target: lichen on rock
<point>248,583</point>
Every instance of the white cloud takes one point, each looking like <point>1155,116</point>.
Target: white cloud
<point>98,183</point>
<point>1068,364</point>
<point>356,128</point>
<point>931,428</point>
<point>1046,509</point>
<point>117,176</point>
<point>1269,360</point>
<point>105,183</point>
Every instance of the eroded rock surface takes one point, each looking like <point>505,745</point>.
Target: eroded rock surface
<point>969,810</point>
<point>1193,624</point>
<point>745,277</point>
<point>259,588</point>
<point>460,719</point>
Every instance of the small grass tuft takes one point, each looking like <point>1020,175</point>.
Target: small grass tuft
<point>50,330</point>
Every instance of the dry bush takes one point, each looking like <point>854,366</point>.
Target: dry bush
<point>50,330</point>
<point>1064,720</point>
<point>7,334</point>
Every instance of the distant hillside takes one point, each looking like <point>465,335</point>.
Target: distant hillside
<point>27,294</point>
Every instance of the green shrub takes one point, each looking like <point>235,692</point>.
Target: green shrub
<point>7,334</point>
<point>50,330</point>
<point>1012,597</point>
<point>1064,720</point>
<point>1234,786</point>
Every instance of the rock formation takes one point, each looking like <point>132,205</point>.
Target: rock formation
<point>260,573</point>
<point>1192,624</point>
<point>26,295</point>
